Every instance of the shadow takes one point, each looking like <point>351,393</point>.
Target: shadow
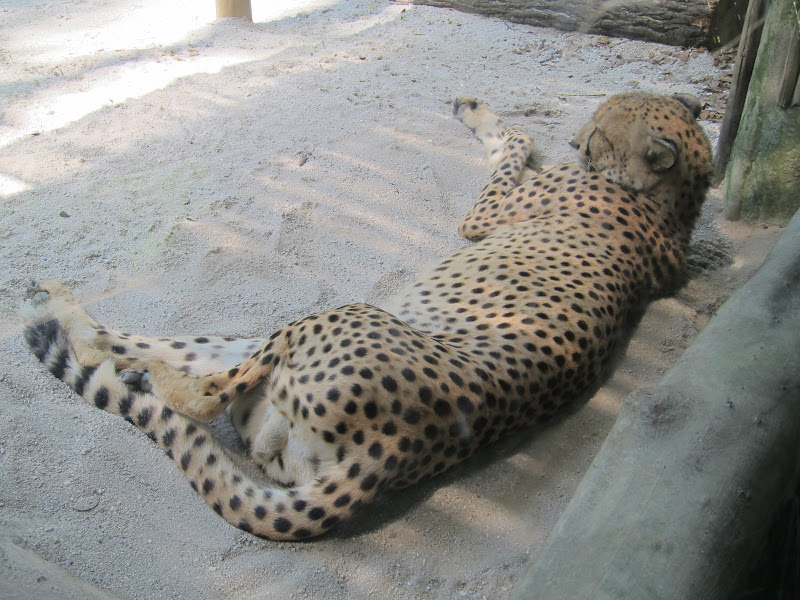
<point>775,570</point>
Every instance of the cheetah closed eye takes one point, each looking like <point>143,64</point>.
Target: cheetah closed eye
<point>343,404</point>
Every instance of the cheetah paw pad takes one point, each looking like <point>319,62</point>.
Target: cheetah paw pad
<point>136,379</point>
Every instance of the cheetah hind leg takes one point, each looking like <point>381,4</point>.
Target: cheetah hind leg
<point>492,133</point>
<point>158,366</point>
<point>50,300</point>
<point>94,343</point>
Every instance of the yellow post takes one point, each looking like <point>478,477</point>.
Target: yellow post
<point>234,8</point>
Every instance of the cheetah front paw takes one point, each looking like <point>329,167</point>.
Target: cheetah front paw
<point>464,109</point>
<point>473,113</point>
<point>486,126</point>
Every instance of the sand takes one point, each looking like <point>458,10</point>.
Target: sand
<point>186,176</point>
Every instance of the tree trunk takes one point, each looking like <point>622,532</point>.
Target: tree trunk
<point>680,497</point>
<point>675,22</point>
<point>763,176</point>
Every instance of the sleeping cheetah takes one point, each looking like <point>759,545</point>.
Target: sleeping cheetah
<point>343,404</point>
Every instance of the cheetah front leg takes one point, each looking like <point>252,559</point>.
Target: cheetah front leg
<point>512,155</point>
<point>493,134</point>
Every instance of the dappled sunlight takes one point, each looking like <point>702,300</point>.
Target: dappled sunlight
<point>139,283</point>
<point>477,161</point>
<point>148,24</point>
<point>98,71</point>
<point>645,351</point>
<point>353,28</point>
<point>346,214</point>
<point>224,236</point>
<point>370,165</point>
<point>272,10</point>
<point>11,185</point>
<point>110,86</point>
<point>95,30</point>
<point>620,385</point>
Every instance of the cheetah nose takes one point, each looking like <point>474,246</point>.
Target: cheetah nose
<point>575,144</point>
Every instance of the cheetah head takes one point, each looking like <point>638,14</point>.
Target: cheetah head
<point>652,145</point>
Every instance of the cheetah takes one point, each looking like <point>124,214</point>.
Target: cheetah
<point>342,405</point>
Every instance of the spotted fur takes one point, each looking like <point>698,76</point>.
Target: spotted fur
<point>344,404</point>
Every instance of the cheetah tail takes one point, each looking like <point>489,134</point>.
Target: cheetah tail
<point>216,474</point>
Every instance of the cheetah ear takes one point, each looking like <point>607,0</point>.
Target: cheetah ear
<point>693,103</point>
<point>661,154</point>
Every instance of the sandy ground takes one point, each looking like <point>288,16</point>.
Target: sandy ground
<point>186,176</point>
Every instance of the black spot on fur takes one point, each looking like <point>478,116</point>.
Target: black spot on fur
<point>282,524</point>
<point>369,482</point>
<point>101,398</point>
<point>125,405</point>
<point>186,459</point>
<point>144,417</point>
<point>330,522</point>
<point>169,437</point>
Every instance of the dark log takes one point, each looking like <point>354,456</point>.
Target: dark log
<point>681,496</point>
<point>675,22</point>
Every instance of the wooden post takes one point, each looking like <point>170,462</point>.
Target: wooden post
<point>234,8</point>
<point>763,173</point>
<point>790,84</point>
<point>745,59</point>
